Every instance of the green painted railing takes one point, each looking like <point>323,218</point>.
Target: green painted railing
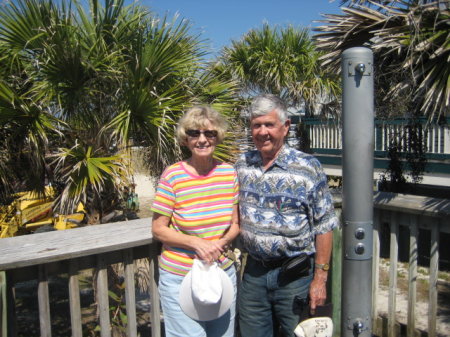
<point>324,137</point>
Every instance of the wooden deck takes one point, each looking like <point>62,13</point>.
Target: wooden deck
<point>39,256</point>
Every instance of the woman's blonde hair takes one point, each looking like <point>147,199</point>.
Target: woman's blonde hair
<point>196,117</point>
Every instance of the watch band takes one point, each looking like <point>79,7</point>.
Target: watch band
<point>324,266</point>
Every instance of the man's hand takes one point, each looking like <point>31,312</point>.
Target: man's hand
<point>318,290</point>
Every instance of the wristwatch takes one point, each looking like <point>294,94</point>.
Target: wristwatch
<point>324,266</point>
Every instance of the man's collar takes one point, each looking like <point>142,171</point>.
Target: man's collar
<point>281,160</point>
<point>256,159</point>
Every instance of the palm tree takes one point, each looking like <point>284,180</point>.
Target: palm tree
<point>79,87</point>
<point>410,41</point>
<point>282,61</point>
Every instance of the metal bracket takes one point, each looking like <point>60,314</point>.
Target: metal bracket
<point>359,68</point>
<point>358,324</point>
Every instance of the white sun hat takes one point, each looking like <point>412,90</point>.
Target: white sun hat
<point>315,327</point>
<point>206,292</point>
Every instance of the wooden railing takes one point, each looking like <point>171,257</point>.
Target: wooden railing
<point>39,256</point>
<point>413,212</point>
<point>392,211</point>
<point>327,134</point>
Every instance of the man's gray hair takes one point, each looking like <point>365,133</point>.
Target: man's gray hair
<point>264,104</point>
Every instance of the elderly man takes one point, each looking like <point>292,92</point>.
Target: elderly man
<point>287,218</point>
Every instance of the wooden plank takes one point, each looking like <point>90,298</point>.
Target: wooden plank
<point>86,262</point>
<point>102,297</point>
<point>414,204</point>
<point>393,258</point>
<point>44,303</point>
<point>155,311</point>
<point>74,300</point>
<point>375,267</point>
<point>130,296</point>
<point>412,276</point>
<point>434,269</point>
<point>54,246</point>
<point>3,305</point>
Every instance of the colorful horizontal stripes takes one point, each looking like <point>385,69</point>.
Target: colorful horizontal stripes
<point>197,205</point>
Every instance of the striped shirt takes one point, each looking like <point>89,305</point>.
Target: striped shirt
<point>197,205</point>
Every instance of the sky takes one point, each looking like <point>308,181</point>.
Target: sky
<point>221,21</point>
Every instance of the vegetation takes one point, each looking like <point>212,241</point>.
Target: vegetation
<point>282,61</point>
<point>410,42</point>
<point>79,86</point>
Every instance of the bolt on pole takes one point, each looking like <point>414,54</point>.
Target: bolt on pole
<point>357,210</point>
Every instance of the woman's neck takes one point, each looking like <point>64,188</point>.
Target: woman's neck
<point>201,166</point>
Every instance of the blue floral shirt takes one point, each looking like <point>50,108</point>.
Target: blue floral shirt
<point>284,207</point>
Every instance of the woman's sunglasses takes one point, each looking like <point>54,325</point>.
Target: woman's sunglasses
<point>210,134</point>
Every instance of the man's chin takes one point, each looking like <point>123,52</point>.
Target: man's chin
<point>266,147</point>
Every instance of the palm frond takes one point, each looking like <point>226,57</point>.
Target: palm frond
<point>84,172</point>
<point>282,61</point>
<point>415,35</point>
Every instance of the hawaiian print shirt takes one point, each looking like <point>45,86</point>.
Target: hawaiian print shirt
<point>284,207</point>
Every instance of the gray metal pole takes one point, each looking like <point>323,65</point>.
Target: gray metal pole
<point>358,147</point>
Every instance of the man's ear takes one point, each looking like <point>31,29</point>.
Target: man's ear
<point>287,124</point>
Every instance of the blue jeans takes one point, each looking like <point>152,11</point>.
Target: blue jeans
<point>177,324</point>
<point>265,298</point>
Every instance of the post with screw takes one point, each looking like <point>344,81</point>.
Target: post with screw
<point>357,209</point>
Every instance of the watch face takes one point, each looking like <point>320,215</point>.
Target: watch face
<point>325,266</point>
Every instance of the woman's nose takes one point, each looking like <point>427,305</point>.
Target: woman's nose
<point>202,138</point>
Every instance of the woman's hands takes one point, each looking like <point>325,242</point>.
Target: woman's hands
<point>209,251</point>
<point>206,250</point>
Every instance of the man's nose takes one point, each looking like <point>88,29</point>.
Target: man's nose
<point>263,129</point>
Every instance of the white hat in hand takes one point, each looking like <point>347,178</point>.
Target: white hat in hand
<point>315,327</point>
<point>206,292</point>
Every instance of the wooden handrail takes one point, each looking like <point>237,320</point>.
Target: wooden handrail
<point>40,248</point>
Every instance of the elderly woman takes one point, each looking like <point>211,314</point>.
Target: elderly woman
<point>196,216</point>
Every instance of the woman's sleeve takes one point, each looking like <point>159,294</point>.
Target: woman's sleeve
<point>164,198</point>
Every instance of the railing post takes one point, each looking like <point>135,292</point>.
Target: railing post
<point>446,141</point>
<point>44,302</point>
<point>412,275</point>
<point>358,148</point>
<point>74,299</point>
<point>130,297</point>
<point>3,305</point>
<point>393,268</point>
<point>102,297</point>
<point>155,313</point>
<point>434,270</point>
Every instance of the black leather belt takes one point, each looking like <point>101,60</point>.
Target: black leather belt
<point>270,264</point>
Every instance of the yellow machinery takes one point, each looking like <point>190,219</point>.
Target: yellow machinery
<point>29,212</point>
